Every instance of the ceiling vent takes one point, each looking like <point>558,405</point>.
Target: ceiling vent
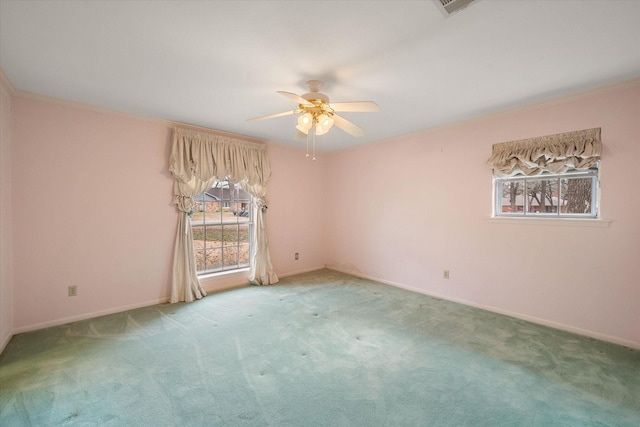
<point>452,6</point>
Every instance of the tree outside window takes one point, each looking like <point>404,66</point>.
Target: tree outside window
<point>572,194</point>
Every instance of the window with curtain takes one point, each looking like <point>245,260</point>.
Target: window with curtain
<point>197,161</point>
<point>222,226</point>
<point>549,176</point>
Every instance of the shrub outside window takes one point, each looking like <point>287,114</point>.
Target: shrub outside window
<point>222,226</point>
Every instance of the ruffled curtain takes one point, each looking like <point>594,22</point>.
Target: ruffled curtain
<point>558,153</point>
<point>197,160</point>
<point>261,271</point>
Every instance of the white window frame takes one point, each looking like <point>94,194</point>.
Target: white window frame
<point>595,195</point>
<point>224,269</point>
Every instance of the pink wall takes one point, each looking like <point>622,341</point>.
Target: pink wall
<point>6,266</point>
<point>296,210</point>
<point>85,194</point>
<point>91,207</point>
<point>420,204</point>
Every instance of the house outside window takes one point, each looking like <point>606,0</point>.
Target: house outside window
<point>222,226</point>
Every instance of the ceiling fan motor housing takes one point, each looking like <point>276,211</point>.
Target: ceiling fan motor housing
<point>312,96</point>
<point>315,94</point>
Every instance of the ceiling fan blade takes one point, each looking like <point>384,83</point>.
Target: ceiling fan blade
<point>297,98</point>
<point>273,116</point>
<point>347,126</point>
<point>356,106</point>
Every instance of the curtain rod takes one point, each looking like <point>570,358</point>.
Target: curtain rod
<point>217,132</point>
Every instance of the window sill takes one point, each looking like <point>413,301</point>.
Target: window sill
<point>563,222</point>
<point>220,274</point>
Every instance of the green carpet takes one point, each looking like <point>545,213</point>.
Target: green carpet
<point>318,349</point>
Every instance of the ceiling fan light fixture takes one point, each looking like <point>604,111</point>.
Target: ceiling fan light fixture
<point>305,121</point>
<point>325,120</point>
<point>321,131</point>
<point>323,124</point>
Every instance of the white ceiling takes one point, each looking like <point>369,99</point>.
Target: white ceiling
<point>217,63</point>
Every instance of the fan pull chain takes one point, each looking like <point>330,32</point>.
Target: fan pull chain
<point>314,143</point>
<point>312,130</point>
<point>307,144</point>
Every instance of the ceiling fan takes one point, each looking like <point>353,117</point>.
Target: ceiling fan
<point>318,115</point>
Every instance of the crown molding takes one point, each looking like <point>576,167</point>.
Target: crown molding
<point>6,83</point>
<point>563,99</point>
<point>103,110</point>
<point>571,97</point>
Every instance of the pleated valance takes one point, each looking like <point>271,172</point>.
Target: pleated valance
<point>205,155</point>
<point>579,150</point>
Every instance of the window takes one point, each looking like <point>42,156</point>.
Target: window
<point>569,194</point>
<point>222,228</point>
<point>548,176</point>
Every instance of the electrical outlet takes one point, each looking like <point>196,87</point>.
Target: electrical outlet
<point>296,256</point>
<point>73,291</point>
<point>446,274</point>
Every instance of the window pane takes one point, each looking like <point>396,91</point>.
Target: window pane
<point>213,237</point>
<point>243,215</point>
<point>243,205</point>
<point>199,260</point>
<point>244,255</point>
<point>236,256</point>
<point>576,195</point>
<point>207,236</point>
<point>512,199</point>
<point>243,237</point>
<point>230,256</point>
<point>542,196</point>
<point>212,211</point>
<point>197,217</point>
<point>230,234</point>
<point>198,237</point>
<point>214,259</point>
<point>227,215</point>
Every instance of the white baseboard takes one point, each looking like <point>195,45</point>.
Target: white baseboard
<point>306,270</point>
<point>242,281</point>
<point>57,322</point>
<point>532,319</point>
<point>5,341</point>
<point>86,316</point>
